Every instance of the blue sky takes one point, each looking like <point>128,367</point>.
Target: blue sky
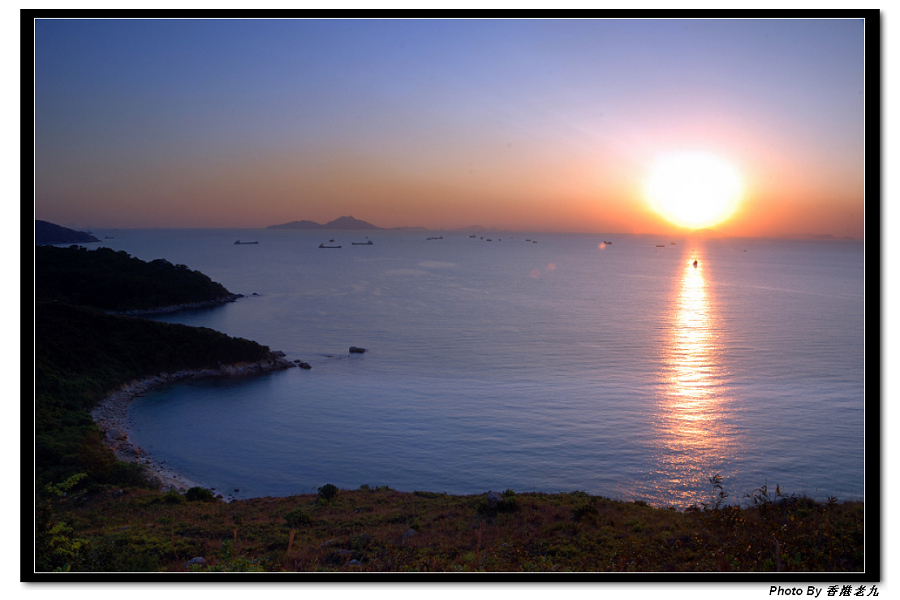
<point>535,124</point>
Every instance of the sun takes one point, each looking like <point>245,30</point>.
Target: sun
<point>693,189</point>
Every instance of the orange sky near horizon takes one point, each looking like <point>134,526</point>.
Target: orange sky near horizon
<point>531,126</point>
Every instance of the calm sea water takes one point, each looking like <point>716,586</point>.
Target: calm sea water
<point>621,370</point>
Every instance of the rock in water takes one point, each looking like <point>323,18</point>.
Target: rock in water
<point>355,350</point>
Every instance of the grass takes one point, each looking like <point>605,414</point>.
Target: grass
<point>370,530</point>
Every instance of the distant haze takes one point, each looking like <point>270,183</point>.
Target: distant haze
<point>537,125</point>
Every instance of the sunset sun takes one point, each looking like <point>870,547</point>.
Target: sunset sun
<point>693,189</point>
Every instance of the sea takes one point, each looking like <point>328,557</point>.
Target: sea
<point>632,367</point>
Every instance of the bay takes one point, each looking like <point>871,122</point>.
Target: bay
<point>536,362</point>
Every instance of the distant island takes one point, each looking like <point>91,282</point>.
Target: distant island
<point>347,223</point>
<point>48,233</point>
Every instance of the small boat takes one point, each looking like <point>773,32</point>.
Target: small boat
<point>607,243</point>
<point>660,245</point>
<point>671,243</point>
<point>440,237</point>
<point>695,264</point>
<point>471,236</point>
<point>239,242</point>
<point>324,246</point>
<point>369,243</point>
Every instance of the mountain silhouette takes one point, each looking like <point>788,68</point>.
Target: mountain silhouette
<point>340,223</point>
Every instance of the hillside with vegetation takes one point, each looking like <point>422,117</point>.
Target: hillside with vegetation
<point>376,529</point>
<point>115,281</point>
<point>81,354</point>
<point>50,233</point>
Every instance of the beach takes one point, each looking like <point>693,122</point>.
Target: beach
<point>112,417</point>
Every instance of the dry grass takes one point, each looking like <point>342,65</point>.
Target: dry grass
<point>370,530</point>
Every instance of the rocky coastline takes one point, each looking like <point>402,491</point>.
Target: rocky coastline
<point>112,415</point>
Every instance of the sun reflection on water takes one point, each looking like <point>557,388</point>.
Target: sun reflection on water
<point>691,360</point>
<point>692,436</point>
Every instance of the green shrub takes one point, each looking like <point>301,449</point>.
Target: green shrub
<point>173,497</point>
<point>585,511</point>
<point>297,518</point>
<point>199,494</point>
<point>328,491</point>
<point>56,543</point>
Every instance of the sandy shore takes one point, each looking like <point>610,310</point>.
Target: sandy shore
<point>112,416</point>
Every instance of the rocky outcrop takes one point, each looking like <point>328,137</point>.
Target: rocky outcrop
<point>355,350</point>
<point>275,363</point>
<point>494,499</point>
<point>198,560</point>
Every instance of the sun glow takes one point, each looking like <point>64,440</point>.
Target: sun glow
<point>693,189</point>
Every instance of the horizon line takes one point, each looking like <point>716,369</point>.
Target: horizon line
<point>699,232</point>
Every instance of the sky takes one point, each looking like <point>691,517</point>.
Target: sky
<point>531,125</point>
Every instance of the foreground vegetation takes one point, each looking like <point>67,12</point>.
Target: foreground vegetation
<point>378,529</point>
